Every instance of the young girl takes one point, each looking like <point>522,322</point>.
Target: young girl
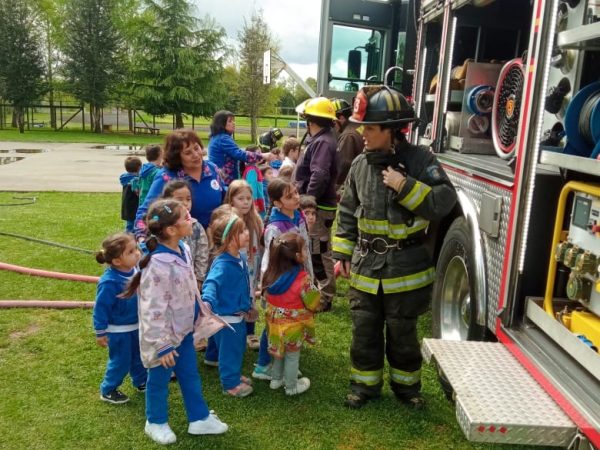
<point>284,216</point>
<point>116,319</point>
<point>254,177</point>
<point>170,314</point>
<point>291,301</point>
<point>239,195</point>
<point>198,241</point>
<point>227,290</point>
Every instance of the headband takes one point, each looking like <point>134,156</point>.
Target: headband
<point>229,225</point>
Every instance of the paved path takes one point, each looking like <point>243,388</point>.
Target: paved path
<point>62,167</point>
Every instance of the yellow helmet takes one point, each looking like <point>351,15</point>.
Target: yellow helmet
<point>319,107</point>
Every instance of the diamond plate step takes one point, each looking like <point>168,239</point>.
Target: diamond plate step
<point>497,400</point>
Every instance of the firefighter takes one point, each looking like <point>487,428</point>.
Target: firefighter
<point>392,191</point>
<point>316,174</point>
<point>349,144</point>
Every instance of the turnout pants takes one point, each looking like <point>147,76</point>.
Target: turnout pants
<point>386,324</point>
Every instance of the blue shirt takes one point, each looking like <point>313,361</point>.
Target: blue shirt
<point>224,152</point>
<point>227,287</point>
<point>207,194</point>
<point>109,309</point>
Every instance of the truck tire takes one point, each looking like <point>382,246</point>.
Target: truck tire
<point>453,305</point>
<point>454,308</point>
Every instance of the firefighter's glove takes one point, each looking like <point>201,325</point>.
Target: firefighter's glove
<point>393,179</point>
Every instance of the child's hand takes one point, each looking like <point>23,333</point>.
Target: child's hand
<point>102,341</point>
<point>251,315</point>
<point>168,360</point>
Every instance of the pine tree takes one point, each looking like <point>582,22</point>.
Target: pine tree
<point>93,63</point>
<point>21,67</point>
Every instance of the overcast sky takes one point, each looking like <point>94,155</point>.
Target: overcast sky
<point>294,23</point>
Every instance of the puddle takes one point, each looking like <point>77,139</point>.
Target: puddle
<point>25,150</point>
<point>10,159</point>
<point>129,149</point>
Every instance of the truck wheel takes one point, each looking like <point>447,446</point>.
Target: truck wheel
<point>454,307</point>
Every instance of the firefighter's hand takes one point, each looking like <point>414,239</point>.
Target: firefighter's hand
<point>393,179</point>
<point>344,268</point>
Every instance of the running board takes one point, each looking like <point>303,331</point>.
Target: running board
<point>497,400</point>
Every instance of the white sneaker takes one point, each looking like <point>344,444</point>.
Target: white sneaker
<point>210,425</point>
<point>276,384</point>
<point>160,433</point>
<point>301,386</point>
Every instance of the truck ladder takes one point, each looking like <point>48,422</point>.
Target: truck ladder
<point>497,400</point>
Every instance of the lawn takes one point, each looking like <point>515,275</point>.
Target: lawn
<point>77,135</point>
<point>50,366</point>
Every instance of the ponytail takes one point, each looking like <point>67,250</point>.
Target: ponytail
<point>134,283</point>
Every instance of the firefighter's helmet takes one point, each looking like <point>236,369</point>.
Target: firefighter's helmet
<point>381,105</point>
<point>342,107</point>
<point>269,139</point>
<point>317,107</point>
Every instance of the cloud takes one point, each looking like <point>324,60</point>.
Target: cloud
<point>295,24</point>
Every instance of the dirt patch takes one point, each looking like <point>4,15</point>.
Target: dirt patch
<point>19,334</point>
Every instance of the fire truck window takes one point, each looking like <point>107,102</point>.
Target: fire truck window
<point>356,56</point>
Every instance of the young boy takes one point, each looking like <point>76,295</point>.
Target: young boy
<point>129,197</point>
<point>308,205</point>
<point>149,170</point>
<point>291,152</point>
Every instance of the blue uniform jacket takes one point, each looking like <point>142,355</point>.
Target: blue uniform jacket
<point>207,194</point>
<point>110,309</point>
<point>224,152</point>
<point>226,287</point>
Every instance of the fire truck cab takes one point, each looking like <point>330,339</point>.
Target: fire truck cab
<point>508,93</point>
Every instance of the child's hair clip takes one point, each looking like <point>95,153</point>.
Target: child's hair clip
<point>155,217</point>
<point>167,209</point>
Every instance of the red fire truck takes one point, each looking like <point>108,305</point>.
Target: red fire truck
<point>508,96</point>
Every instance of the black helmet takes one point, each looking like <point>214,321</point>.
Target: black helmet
<point>381,105</point>
<point>269,139</point>
<point>342,107</point>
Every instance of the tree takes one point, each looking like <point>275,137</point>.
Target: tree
<point>300,94</point>
<point>178,62</point>
<point>21,68</point>
<point>93,63</point>
<point>255,38</point>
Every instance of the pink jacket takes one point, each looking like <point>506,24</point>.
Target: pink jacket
<point>166,296</point>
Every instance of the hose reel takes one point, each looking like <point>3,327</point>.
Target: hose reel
<point>582,122</point>
<point>507,108</point>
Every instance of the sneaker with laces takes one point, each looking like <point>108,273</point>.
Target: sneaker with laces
<point>208,362</point>
<point>240,391</point>
<point>141,387</point>
<point>115,397</point>
<point>160,433</point>
<point>276,384</point>
<point>211,425</point>
<point>262,373</point>
<point>302,385</point>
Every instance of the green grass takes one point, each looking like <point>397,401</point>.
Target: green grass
<point>70,135</point>
<point>50,367</point>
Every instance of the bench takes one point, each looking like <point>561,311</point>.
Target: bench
<point>146,130</point>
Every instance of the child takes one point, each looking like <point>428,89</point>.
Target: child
<point>227,290</point>
<point>129,196</point>
<point>268,176</point>
<point>291,153</point>
<point>116,319</point>
<point>254,178</point>
<point>276,161</point>
<point>284,216</point>
<point>171,317</point>
<point>291,299</point>
<point>285,173</point>
<point>198,241</point>
<point>239,195</point>
<point>149,170</point>
<point>308,205</point>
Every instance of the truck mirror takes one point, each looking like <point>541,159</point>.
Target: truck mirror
<point>354,63</point>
